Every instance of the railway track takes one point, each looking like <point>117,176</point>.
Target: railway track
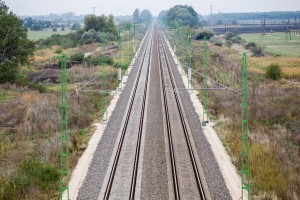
<point>173,108</point>
<point>139,84</point>
<point>120,181</point>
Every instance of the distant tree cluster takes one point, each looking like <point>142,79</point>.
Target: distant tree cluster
<point>144,16</point>
<point>36,25</point>
<point>100,23</point>
<point>180,15</point>
<point>15,48</point>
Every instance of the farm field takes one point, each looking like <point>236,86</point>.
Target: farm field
<point>35,35</point>
<point>276,43</point>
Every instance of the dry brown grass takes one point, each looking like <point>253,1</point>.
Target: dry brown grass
<point>31,124</point>
<point>48,55</point>
<point>30,120</point>
<point>274,119</point>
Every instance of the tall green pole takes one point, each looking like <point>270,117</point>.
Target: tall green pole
<point>131,44</point>
<point>245,168</point>
<point>189,38</point>
<point>181,35</point>
<point>127,50</point>
<point>64,135</point>
<point>104,95</point>
<point>120,57</point>
<point>205,108</point>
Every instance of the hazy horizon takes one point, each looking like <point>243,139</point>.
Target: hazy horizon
<point>120,7</point>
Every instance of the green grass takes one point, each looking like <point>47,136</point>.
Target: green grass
<point>35,35</point>
<point>277,43</point>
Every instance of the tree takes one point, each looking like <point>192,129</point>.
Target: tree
<point>3,7</point>
<point>92,22</point>
<point>111,27</point>
<point>145,15</point>
<point>136,16</point>
<point>181,15</point>
<point>103,23</point>
<point>75,26</point>
<point>36,25</point>
<point>163,16</point>
<point>15,48</point>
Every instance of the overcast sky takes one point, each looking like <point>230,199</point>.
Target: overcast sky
<point>126,7</point>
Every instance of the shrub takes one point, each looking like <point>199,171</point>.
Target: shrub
<point>258,51</point>
<point>39,173</point>
<point>216,41</point>
<point>39,87</point>
<point>64,41</point>
<point>201,35</point>
<point>59,50</point>
<point>77,58</point>
<point>231,34</point>
<point>8,71</point>
<point>98,60</point>
<point>91,34</point>
<point>111,37</point>
<point>250,45</point>
<point>274,72</point>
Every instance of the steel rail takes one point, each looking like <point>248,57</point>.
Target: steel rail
<point>117,156</point>
<point>184,125</point>
<point>170,140</point>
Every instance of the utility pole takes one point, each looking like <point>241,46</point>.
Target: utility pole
<point>104,95</point>
<point>189,35</point>
<point>94,10</point>
<point>64,133</point>
<point>119,64</point>
<point>205,104</point>
<point>245,168</point>
<point>295,25</point>
<point>264,23</point>
<point>288,31</point>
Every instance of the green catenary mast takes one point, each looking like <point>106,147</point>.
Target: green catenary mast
<point>245,168</point>
<point>189,43</point>
<point>104,95</point>
<point>64,136</point>
<point>120,57</point>
<point>205,108</point>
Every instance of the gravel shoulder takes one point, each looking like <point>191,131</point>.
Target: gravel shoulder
<point>96,172</point>
<point>212,172</point>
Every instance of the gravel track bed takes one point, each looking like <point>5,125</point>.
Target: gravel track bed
<point>93,181</point>
<point>155,179</point>
<point>154,183</point>
<point>213,175</point>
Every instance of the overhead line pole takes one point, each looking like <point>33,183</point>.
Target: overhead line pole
<point>104,95</point>
<point>189,43</point>
<point>245,168</point>
<point>120,58</point>
<point>205,109</point>
<point>64,134</point>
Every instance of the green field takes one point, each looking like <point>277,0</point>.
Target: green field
<point>35,35</point>
<point>277,43</point>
